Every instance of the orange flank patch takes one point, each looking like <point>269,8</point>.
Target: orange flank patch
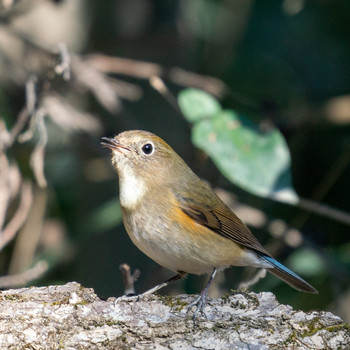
<point>215,249</point>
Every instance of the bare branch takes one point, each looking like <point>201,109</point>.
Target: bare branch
<point>95,81</point>
<point>4,189</point>
<point>14,180</point>
<point>128,278</point>
<point>260,274</point>
<point>138,69</point>
<point>4,136</point>
<point>325,210</point>
<point>28,237</point>
<point>73,317</point>
<point>29,133</point>
<point>38,154</point>
<point>67,117</point>
<point>23,278</point>
<point>185,78</point>
<point>126,90</point>
<point>147,70</point>
<point>31,97</point>
<point>17,128</point>
<point>158,84</point>
<point>10,178</point>
<point>20,216</point>
<point>64,68</point>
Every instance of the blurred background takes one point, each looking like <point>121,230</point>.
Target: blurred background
<point>72,71</point>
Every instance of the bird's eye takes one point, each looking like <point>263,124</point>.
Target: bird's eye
<point>147,149</point>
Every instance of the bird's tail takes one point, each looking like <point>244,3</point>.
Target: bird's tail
<point>288,276</point>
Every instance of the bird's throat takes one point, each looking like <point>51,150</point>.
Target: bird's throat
<point>131,188</point>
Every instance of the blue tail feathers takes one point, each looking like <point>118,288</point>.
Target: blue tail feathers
<point>288,275</point>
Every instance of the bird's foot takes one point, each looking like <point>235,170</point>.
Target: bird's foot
<point>128,297</point>
<point>135,297</point>
<point>199,303</point>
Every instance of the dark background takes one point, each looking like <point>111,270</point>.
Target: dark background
<point>284,62</point>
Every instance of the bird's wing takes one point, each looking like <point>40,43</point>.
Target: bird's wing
<point>221,220</point>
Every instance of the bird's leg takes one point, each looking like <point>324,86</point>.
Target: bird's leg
<point>164,284</point>
<point>201,301</point>
<point>136,297</point>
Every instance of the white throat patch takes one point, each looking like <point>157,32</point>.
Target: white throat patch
<point>131,189</point>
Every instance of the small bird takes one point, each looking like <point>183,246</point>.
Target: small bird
<point>177,220</point>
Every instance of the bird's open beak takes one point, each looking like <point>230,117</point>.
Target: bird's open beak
<point>113,144</point>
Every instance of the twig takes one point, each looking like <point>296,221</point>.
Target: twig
<point>4,188</point>
<point>138,69</point>
<point>95,81</point>
<point>28,237</point>
<point>125,89</point>
<point>321,190</point>
<point>20,216</point>
<point>10,178</point>
<point>64,67</point>
<point>37,156</point>
<point>29,133</point>
<point>147,70</point>
<point>17,128</point>
<point>67,117</point>
<point>31,97</point>
<point>158,84</point>
<point>212,85</point>
<point>128,278</point>
<point>98,83</point>
<point>106,89</point>
<point>325,210</point>
<point>23,278</point>
<point>4,136</point>
<point>260,274</point>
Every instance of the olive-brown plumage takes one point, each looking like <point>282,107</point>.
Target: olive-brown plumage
<point>176,219</point>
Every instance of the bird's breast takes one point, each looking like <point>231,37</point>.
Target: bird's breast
<point>177,242</point>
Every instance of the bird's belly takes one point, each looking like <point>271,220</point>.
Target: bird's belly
<point>192,251</point>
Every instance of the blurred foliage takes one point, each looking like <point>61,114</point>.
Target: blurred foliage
<point>281,67</point>
<point>256,160</point>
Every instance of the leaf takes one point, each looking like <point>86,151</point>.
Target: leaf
<point>256,161</point>
<point>196,104</point>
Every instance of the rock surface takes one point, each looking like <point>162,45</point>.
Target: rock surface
<point>73,317</point>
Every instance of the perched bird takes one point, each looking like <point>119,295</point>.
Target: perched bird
<point>177,220</point>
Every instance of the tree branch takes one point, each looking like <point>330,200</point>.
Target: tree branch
<point>73,317</point>
<point>20,216</point>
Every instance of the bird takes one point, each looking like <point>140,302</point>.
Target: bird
<point>177,220</point>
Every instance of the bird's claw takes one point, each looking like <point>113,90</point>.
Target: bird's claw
<point>199,303</point>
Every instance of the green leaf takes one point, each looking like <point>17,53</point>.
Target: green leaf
<point>256,161</point>
<point>196,104</point>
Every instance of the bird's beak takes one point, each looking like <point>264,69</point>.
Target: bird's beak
<point>113,145</point>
